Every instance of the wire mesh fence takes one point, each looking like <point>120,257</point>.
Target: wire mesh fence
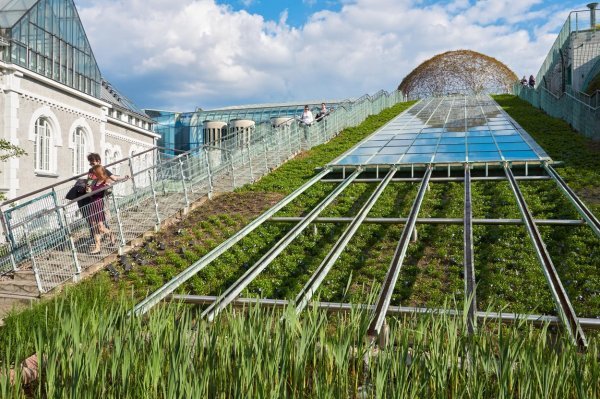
<point>57,239</point>
<point>583,116</point>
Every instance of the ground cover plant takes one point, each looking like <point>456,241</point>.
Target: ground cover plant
<point>508,274</point>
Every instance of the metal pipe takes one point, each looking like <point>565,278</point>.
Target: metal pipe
<point>385,295</point>
<point>563,305</point>
<point>502,222</point>
<point>200,264</point>
<point>319,275</point>
<point>468,254</point>
<point>509,318</point>
<point>236,288</point>
<point>439,179</point>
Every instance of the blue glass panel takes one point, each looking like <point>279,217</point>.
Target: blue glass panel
<point>354,160</point>
<point>485,133</point>
<point>430,135</point>
<point>421,149</point>
<point>480,140</point>
<point>452,140</point>
<point>482,147</point>
<point>416,158</point>
<point>520,155</point>
<point>450,157</point>
<point>380,136</point>
<point>405,136</point>
<point>477,128</point>
<point>451,148</point>
<point>454,134</point>
<point>506,132</point>
<point>393,150</point>
<point>515,138</point>
<point>475,156</point>
<point>433,129</point>
<point>395,143</point>
<point>365,151</point>
<point>374,143</point>
<point>514,147</point>
<point>501,126</point>
<point>384,159</point>
<point>420,141</point>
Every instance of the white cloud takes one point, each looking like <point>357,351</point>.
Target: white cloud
<point>193,53</point>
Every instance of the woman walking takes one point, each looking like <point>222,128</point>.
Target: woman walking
<point>97,217</point>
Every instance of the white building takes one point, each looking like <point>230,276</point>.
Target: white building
<point>53,101</point>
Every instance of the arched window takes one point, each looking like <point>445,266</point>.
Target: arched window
<point>80,150</point>
<point>117,156</point>
<point>107,157</point>
<point>41,146</point>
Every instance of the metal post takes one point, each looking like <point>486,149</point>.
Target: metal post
<point>133,185</point>
<point>385,295</point>
<point>230,155</point>
<point>10,242</point>
<point>265,153</point>
<point>71,241</point>
<point>157,227</point>
<point>119,223</point>
<point>34,266</point>
<point>468,254</point>
<point>561,299</point>
<point>250,163</point>
<point>210,179</point>
<point>185,190</point>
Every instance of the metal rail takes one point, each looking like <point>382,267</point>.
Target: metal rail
<point>172,285</point>
<point>509,318</point>
<point>319,275</point>
<point>439,179</point>
<point>470,296</point>
<point>563,305</point>
<point>236,288</point>
<point>501,222</point>
<point>385,295</point>
<point>587,215</point>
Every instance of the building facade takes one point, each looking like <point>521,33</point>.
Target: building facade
<point>54,103</point>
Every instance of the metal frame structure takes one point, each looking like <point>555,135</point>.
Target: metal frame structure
<point>382,175</point>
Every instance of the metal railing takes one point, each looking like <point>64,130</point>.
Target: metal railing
<point>55,238</point>
<point>577,21</point>
<point>579,110</point>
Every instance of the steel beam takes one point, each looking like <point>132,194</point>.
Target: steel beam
<point>470,296</point>
<point>508,318</point>
<point>200,264</point>
<point>563,305</point>
<point>503,222</point>
<point>236,288</point>
<point>438,179</point>
<point>385,295</point>
<point>319,275</point>
<point>587,215</point>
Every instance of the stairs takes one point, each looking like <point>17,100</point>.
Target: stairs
<point>17,290</point>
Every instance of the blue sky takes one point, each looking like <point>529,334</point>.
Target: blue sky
<point>182,54</point>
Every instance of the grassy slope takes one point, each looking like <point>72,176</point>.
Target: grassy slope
<point>507,269</point>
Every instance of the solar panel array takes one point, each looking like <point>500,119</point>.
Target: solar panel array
<point>446,130</point>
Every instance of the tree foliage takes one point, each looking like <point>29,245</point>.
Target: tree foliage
<point>8,150</point>
<point>460,71</point>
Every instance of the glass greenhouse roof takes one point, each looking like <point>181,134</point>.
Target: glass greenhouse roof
<point>444,130</point>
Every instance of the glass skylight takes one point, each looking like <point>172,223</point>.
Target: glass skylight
<point>443,130</point>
